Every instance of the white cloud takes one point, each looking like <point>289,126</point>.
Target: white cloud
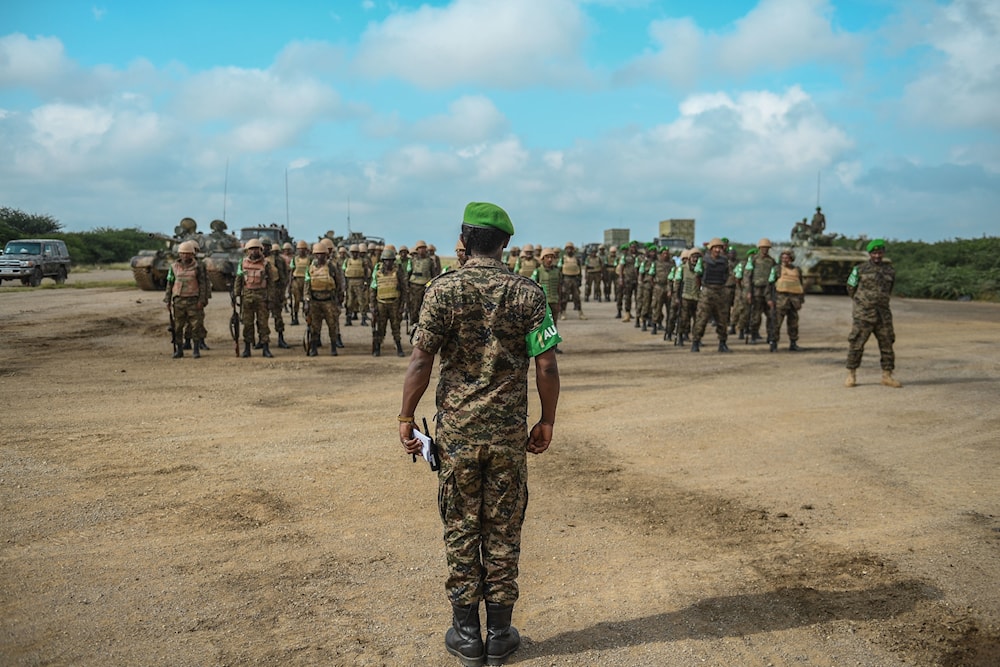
<point>504,44</point>
<point>31,62</point>
<point>469,120</point>
<point>962,87</point>
<point>775,35</point>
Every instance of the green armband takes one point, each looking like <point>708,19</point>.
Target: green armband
<point>852,280</point>
<point>545,337</point>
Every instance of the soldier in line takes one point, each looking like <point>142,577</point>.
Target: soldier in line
<point>432,253</point>
<point>255,281</point>
<point>689,290</point>
<point>323,287</point>
<point>460,253</point>
<point>713,297</point>
<point>422,270</point>
<point>662,273</point>
<point>527,262</point>
<point>870,287</point>
<point>549,277</point>
<point>357,274</point>
<point>479,319</point>
<point>277,305</point>
<point>786,298</point>
<point>298,266</point>
<point>594,264</point>
<point>733,257</point>
<point>610,278</point>
<point>674,305</point>
<point>195,329</point>
<point>387,290</point>
<point>569,266</point>
<point>756,274</point>
<point>513,255</point>
<point>628,275</point>
<point>187,294</point>
<point>644,289</point>
<point>741,310</point>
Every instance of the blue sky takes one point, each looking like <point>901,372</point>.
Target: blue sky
<point>574,115</point>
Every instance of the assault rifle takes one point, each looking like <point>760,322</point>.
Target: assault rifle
<point>234,322</point>
<point>376,345</point>
<point>172,328</point>
<point>307,337</point>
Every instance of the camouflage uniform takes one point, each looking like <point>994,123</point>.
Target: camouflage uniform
<point>482,414</point>
<point>688,302</point>
<point>569,266</point>
<point>188,292</point>
<point>628,273</point>
<point>595,267</point>
<point>299,264</point>
<point>713,300</point>
<point>422,270</point>
<point>870,286</point>
<point>661,275</point>
<point>323,287</point>
<point>609,278</point>
<point>254,283</point>
<point>741,311</point>
<point>277,305</point>
<point>756,273</point>
<point>388,289</point>
<point>788,297</point>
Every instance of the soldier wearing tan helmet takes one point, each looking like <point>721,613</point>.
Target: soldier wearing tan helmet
<point>756,274</point>
<point>187,294</point>
<point>273,256</point>
<point>460,255</point>
<point>422,270</point>
<point>713,300</point>
<point>255,281</point>
<point>297,267</point>
<point>513,255</point>
<point>549,277</point>
<point>388,288</point>
<point>689,289</point>
<point>741,310</point>
<point>661,276</point>
<point>786,295</point>
<point>527,262</point>
<point>609,280</point>
<point>357,273</point>
<point>594,268</point>
<point>323,287</point>
<point>572,275</point>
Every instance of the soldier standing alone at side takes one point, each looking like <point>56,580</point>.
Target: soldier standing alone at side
<point>255,280</point>
<point>787,298</point>
<point>487,325</point>
<point>187,295</point>
<point>870,286</point>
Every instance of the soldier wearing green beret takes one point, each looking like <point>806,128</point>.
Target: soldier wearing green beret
<point>870,287</point>
<point>487,324</point>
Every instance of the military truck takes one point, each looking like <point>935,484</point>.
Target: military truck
<point>276,233</point>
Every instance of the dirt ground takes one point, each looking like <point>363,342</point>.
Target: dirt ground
<point>741,509</point>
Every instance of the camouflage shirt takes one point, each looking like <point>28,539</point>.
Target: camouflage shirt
<point>477,318</point>
<point>870,285</point>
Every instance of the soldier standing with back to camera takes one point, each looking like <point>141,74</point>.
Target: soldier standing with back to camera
<point>487,325</point>
<point>255,280</point>
<point>187,295</point>
<point>870,287</point>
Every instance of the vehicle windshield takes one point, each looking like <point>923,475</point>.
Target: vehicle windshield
<point>22,248</point>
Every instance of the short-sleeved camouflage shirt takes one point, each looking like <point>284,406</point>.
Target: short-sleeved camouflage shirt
<point>477,319</point>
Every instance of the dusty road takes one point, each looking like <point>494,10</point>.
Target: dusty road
<point>741,509</point>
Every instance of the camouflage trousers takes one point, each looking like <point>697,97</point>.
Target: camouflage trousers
<point>323,311</point>
<point>482,498</point>
<point>712,305</point>
<point>255,310</point>
<point>740,310</point>
<point>189,319</point>
<point>884,334</point>
<point>787,306</point>
<point>298,295</point>
<point>592,286</point>
<point>758,309</point>
<point>390,312</point>
<point>415,297</point>
<point>610,284</point>
<point>658,305</point>
<point>687,310</point>
<point>276,307</point>
<point>625,295</point>
<point>570,292</point>
<point>644,300</point>
<point>357,295</point>
<point>673,314</point>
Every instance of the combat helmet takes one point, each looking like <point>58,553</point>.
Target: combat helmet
<point>318,248</point>
<point>253,243</point>
<point>188,246</point>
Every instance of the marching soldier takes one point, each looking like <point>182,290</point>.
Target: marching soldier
<point>870,288</point>
<point>713,296</point>
<point>786,298</point>
<point>298,267</point>
<point>422,270</point>
<point>323,287</point>
<point>187,294</point>
<point>274,257</point>
<point>628,276</point>
<point>756,274</point>
<point>594,269</point>
<point>357,274</point>
<point>569,267</point>
<point>255,281</point>
<point>662,273</point>
<point>387,290</point>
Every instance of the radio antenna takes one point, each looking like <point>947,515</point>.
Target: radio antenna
<point>225,191</point>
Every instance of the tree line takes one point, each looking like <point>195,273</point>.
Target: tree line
<point>954,269</point>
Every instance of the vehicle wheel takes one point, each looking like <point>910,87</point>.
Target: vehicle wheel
<point>36,278</point>
<point>61,276</point>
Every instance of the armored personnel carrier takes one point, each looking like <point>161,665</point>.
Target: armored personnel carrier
<point>825,260</point>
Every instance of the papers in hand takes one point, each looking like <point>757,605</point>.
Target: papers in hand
<point>425,446</point>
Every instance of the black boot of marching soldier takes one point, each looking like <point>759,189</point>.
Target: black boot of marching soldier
<point>246,349</point>
<point>281,341</point>
<point>399,349</point>
<point>178,351</point>
<point>196,349</point>
<point>340,341</point>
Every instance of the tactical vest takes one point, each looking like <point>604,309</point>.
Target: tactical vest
<point>386,286</point>
<point>548,280</point>
<point>789,280</point>
<point>570,266</point>
<point>354,268</point>
<point>422,270</point>
<point>185,280</point>
<point>594,264</point>
<point>320,278</point>
<point>690,290</point>
<point>300,266</point>
<point>762,270</point>
<point>527,266</point>
<point>254,274</point>
<point>716,271</point>
<point>663,272</point>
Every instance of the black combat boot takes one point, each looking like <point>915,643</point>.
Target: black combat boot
<point>312,349</point>
<point>295,320</point>
<point>246,349</point>
<point>696,346</point>
<point>178,351</point>
<point>340,341</point>
<point>267,350</point>
<point>376,349</point>
<point>655,326</point>
<point>333,349</point>
<point>724,348</point>
<point>399,349</point>
<point>201,344</point>
<point>281,341</point>
<point>644,324</point>
<point>464,638</point>
<point>258,345</point>
<point>742,334</point>
<point>187,343</point>
<point>364,319</point>
<point>793,347</point>
<point>347,319</point>
<point>619,315</point>
<point>502,638</point>
<point>772,345</point>
<point>196,349</point>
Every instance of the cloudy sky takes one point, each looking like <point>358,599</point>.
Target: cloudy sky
<point>575,115</point>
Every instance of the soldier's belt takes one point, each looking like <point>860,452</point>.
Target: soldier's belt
<point>388,300</point>
<point>321,296</point>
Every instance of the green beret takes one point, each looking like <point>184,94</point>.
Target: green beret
<point>623,246</point>
<point>751,251</point>
<point>725,240</point>
<point>483,214</point>
<point>876,243</point>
